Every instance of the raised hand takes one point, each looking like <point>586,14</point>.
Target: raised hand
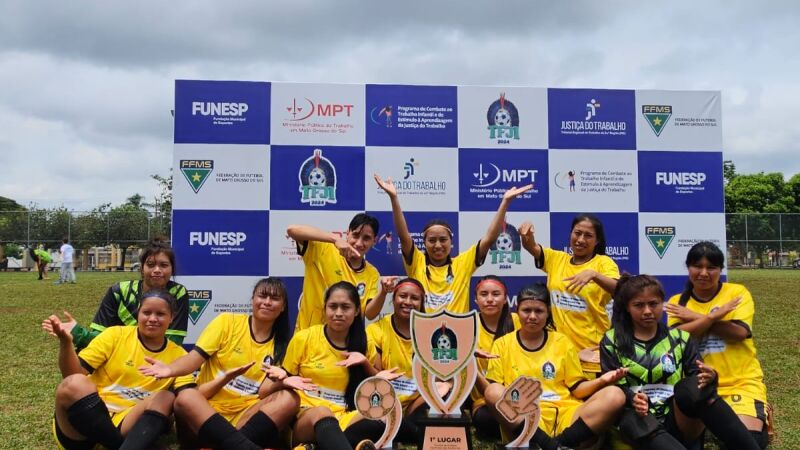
<point>388,283</point>
<point>156,369</point>
<point>65,325</point>
<point>387,185</point>
<point>611,377</point>
<point>681,313</point>
<point>300,383</point>
<point>525,231</point>
<point>352,359</point>
<point>590,354</point>
<point>641,404</point>
<point>723,310</point>
<point>514,191</point>
<point>389,374</point>
<point>484,354</point>
<point>274,373</point>
<point>346,250</point>
<point>230,374</point>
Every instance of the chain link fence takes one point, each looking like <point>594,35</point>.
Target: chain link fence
<point>102,240</point>
<point>763,240</point>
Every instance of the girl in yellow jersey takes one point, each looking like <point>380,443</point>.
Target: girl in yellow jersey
<point>574,410</point>
<point>496,320</point>
<point>392,338</point>
<point>333,359</point>
<point>580,284</point>
<point>246,410</point>
<point>103,399</point>
<point>446,279</point>
<point>720,316</point>
<point>330,258</point>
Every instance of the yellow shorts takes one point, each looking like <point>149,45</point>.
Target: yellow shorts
<point>343,417</point>
<point>743,405</point>
<point>556,419</point>
<point>234,412</point>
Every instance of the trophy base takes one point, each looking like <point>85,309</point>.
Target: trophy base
<point>445,432</point>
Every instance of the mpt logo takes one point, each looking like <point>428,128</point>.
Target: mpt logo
<point>506,249</point>
<point>503,120</point>
<point>490,175</point>
<point>317,180</point>
<point>309,108</point>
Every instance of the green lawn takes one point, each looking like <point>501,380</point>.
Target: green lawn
<point>30,374</point>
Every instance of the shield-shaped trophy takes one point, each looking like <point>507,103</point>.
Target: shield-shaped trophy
<point>444,345</point>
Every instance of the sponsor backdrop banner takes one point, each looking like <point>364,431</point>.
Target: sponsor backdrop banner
<point>251,158</point>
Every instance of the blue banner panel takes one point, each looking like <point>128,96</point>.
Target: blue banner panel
<point>411,116</point>
<point>220,242</point>
<point>317,178</point>
<point>386,255</point>
<point>680,182</point>
<point>294,289</point>
<point>592,118</point>
<point>222,112</point>
<point>484,176</point>
<point>622,241</point>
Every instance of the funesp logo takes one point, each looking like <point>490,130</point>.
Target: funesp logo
<point>223,238</point>
<point>680,178</point>
<point>219,109</point>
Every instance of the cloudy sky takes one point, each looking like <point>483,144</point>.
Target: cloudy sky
<point>87,86</point>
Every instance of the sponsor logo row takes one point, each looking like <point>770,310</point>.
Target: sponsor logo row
<point>445,116</point>
<point>331,178</point>
<point>255,242</point>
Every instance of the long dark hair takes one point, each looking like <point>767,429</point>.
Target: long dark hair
<point>362,219</point>
<point>538,291</point>
<point>280,329</point>
<point>628,287</point>
<point>700,250</point>
<point>599,231</point>
<point>154,247</point>
<point>356,341</point>
<point>505,324</point>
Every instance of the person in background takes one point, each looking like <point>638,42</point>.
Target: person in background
<point>67,271</point>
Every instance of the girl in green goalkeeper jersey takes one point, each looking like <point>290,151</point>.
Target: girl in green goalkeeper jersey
<point>671,395</point>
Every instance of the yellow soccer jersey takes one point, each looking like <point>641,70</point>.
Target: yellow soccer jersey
<point>442,290</point>
<point>312,355</point>
<point>114,357</point>
<point>555,364</point>
<point>395,350</point>
<point>325,266</point>
<point>735,362</point>
<point>485,342</point>
<point>227,342</point>
<point>580,316</point>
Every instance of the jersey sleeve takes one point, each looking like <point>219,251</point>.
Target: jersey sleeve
<point>609,360</point>
<point>467,261</point>
<point>743,314</point>
<point>673,321</point>
<point>375,335</point>
<point>294,353</point>
<point>372,353</point>
<point>549,257</point>
<point>573,373</point>
<point>213,337</point>
<point>414,261</point>
<point>691,354</point>
<point>99,350</point>
<point>311,250</point>
<point>107,315</point>
<point>82,336</point>
<point>372,288</point>
<point>177,329</point>
<point>609,268</point>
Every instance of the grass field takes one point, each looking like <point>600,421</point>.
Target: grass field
<point>29,372</point>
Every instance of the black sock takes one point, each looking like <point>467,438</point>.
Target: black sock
<point>330,436</point>
<point>145,431</point>
<point>761,437</point>
<point>89,416</point>
<point>409,432</point>
<point>726,426</point>
<point>544,441</point>
<point>659,440</point>
<point>364,429</point>
<point>223,435</point>
<point>486,426</point>
<point>576,434</point>
<point>262,431</point>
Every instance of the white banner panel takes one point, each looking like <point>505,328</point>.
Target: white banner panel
<point>678,120</point>
<point>223,176</point>
<point>502,117</point>
<point>423,183</point>
<point>665,238</point>
<point>591,180</point>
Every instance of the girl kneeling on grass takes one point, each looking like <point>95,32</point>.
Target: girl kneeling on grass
<point>103,399</point>
<point>671,396</point>
<point>236,405</point>
<point>334,358</point>
<point>574,410</point>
